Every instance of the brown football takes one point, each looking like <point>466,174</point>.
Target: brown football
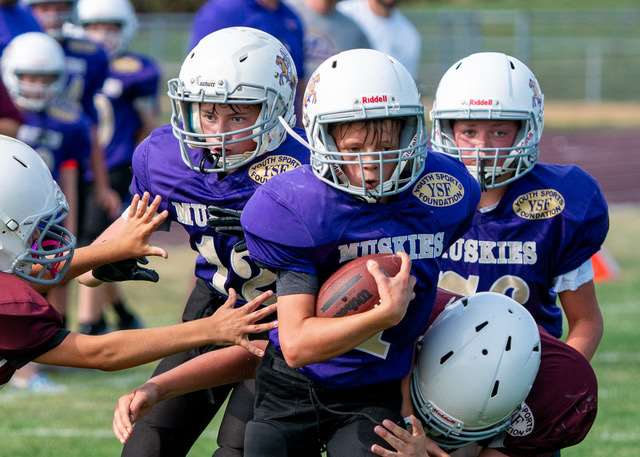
<point>352,289</point>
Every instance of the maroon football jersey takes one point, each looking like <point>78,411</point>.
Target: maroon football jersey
<point>29,326</point>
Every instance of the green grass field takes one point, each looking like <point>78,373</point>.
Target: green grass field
<point>78,422</point>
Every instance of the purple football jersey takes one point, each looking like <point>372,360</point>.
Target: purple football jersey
<point>132,78</point>
<point>549,222</point>
<point>15,20</point>
<point>281,23</point>
<point>87,68</point>
<point>60,134</point>
<point>297,222</point>
<point>29,326</point>
<point>158,168</point>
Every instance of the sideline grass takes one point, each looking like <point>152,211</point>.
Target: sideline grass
<point>77,423</point>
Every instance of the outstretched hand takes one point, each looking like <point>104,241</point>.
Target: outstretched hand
<point>233,325</point>
<point>407,443</point>
<point>142,220</point>
<point>126,270</point>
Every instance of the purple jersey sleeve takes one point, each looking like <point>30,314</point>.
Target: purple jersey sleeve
<point>140,181</point>
<point>215,15</point>
<point>15,20</point>
<point>29,326</point>
<point>587,224</point>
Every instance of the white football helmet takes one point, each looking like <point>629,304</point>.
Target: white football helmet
<point>33,53</point>
<point>477,364</point>
<point>357,85</point>
<point>494,86</point>
<point>235,65</point>
<point>53,22</point>
<point>119,12</point>
<point>32,206</point>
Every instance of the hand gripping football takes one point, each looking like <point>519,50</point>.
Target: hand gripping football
<point>352,289</point>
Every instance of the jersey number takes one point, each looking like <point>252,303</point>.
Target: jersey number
<point>239,265</point>
<point>509,285</point>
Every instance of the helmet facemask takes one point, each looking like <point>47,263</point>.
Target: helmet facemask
<point>47,244</point>
<point>35,96</point>
<point>409,158</point>
<point>208,152</point>
<point>492,167</point>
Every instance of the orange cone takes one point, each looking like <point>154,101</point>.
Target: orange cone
<point>605,267</point>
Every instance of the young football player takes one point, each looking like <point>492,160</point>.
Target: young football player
<point>36,252</point>
<point>224,142</point>
<point>368,190</point>
<point>127,109</point>
<point>534,232</point>
<point>33,69</point>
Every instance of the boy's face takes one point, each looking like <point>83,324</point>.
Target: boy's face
<point>363,137</point>
<point>107,34</point>
<point>218,118</point>
<point>52,15</point>
<point>484,134</point>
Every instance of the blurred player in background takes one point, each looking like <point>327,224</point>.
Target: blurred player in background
<point>36,253</point>
<point>328,381</point>
<point>326,32</point>
<point>272,16</point>
<point>387,29</point>
<point>33,70</point>
<point>128,109</point>
<point>87,66</point>
<point>224,141</point>
<point>15,19</point>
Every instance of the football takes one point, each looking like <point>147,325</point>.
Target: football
<point>352,289</point>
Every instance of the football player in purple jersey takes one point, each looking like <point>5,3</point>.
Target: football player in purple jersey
<point>532,238</point>
<point>36,253</point>
<point>224,142</point>
<point>371,188</point>
<point>87,68</point>
<point>127,108</point>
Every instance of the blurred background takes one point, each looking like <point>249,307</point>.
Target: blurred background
<point>586,55</point>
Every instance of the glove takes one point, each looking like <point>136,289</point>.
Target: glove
<point>227,222</point>
<point>126,270</point>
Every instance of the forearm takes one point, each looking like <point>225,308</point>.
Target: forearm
<point>585,335</point>
<point>318,339</point>
<point>126,349</point>
<point>216,368</point>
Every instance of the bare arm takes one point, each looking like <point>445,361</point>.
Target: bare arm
<point>306,339</point>
<point>9,127</point>
<point>216,368</point>
<point>126,349</point>
<point>585,320</point>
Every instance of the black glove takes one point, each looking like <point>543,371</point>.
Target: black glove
<point>126,270</point>
<point>227,222</point>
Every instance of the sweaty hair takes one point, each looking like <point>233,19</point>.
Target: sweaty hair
<point>376,129</point>
<point>236,108</point>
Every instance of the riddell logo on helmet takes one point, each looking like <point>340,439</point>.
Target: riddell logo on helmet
<point>480,102</point>
<point>374,99</point>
